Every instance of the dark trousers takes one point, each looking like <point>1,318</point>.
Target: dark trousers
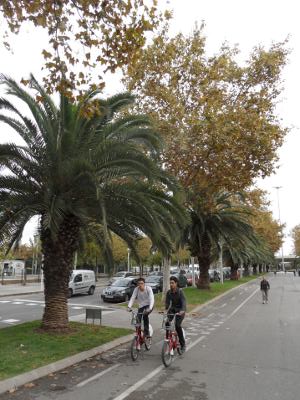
<point>178,328</point>
<point>145,319</point>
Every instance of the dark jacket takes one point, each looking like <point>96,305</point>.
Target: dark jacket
<point>264,285</point>
<point>175,301</point>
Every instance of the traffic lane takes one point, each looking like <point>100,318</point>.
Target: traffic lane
<point>16,310</point>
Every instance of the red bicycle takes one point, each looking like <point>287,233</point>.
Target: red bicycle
<point>139,338</point>
<point>171,342</point>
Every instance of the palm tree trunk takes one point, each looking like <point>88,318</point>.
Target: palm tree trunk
<point>58,264</point>
<point>204,263</point>
<point>234,272</point>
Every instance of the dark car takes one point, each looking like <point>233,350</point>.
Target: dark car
<point>120,290</point>
<point>155,282</point>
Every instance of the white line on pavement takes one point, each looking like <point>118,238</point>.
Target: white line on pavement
<point>70,304</point>
<point>242,304</point>
<point>92,378</point>
<point>141,382</point>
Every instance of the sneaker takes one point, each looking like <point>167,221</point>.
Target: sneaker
<point>183,348</point>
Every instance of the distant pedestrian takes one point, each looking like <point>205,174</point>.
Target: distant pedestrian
<point>264,287</point>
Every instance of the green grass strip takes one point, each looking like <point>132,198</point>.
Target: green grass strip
<point>23,348</point>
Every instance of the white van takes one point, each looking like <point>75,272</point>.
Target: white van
<point>82,281</point>
<point>196,268</point>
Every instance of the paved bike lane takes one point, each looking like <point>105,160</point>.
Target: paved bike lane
<point>113,376</point>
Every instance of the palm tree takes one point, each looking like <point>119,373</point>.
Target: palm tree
<point>253,249</point>
<point>83,169</point>
<point>214,219</point>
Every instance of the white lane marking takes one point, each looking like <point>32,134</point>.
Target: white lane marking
<point>4,301</point>
<point>92,378</point>
<point>30,301</point>
<point>17,302</point>
<point>77,308</point>
<point>138,384</point>
<point>210,315</point>
<point>10,321</point>
<point>141,382</point>
<point>30,304</point>
<point>69,304</point>
<point>223,305</point>
<point>242,304</point>
<point>232,298</point>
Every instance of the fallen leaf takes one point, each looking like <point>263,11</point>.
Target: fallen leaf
<point>29,385</point>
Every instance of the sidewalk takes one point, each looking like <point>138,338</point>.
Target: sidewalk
<point>32,288</point>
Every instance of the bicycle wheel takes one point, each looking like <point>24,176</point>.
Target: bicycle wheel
<point>148,342</point>
<point>166,355</point>
<point>134,351</point>
<point>179,351</point>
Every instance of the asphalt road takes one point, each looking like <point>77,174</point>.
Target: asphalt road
<point>238,349</point>
<point>22,308</point>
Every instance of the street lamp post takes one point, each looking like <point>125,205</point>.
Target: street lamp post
<point>282,258</point>
<point>128,259</point>
<point>221,261</point>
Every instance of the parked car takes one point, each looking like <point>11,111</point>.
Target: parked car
<point>182,280</point>
<point>82,281</point>
<point>155,273</point>
<point>214,275</point>
<point>120,290</point>
<point>226,272</point>
<point>155,282</point>
<point>118,275</point>
<point>189,277</point>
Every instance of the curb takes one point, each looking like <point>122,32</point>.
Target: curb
<point>20,380</point>
<point>27,377</point>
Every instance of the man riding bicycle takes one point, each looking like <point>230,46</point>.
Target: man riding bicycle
<point>176,304</point>
<point>145,298</point>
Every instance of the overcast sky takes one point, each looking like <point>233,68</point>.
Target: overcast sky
<point>246,23</point>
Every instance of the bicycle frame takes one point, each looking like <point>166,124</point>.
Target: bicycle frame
<point>139,332</point>
<point>171,334</point>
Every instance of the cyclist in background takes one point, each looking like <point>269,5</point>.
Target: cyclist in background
<point>176,304</point>
<point>145,299</point>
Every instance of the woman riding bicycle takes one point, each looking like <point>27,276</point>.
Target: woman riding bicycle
<point>176,304</point>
